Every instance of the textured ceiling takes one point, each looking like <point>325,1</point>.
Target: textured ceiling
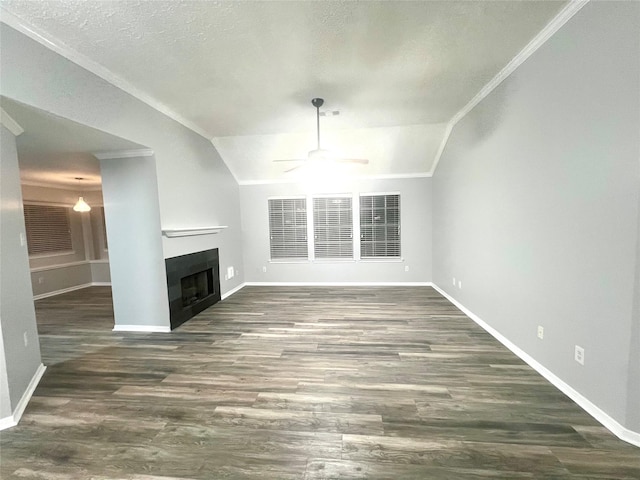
<point>236,69</point>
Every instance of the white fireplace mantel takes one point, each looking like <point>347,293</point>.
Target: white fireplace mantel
<point>190,231</point>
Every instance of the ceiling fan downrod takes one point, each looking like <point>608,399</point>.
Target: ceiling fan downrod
<point>317,102</point>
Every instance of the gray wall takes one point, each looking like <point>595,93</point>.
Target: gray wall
<point>49,280</point>
<point>130,192</point>
<point>415,205</point>
<point>88,263</point>
<point>633,395</point>
<point>536,206</point>
<point>5,401</point>
<point>17,314</point>
<point>195,187</point>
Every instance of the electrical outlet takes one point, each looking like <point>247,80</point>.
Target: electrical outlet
<point>230,272</point>
<point>454,281</point>
<point>40,280</point>
<point>26,339</point>
<point>22,240</point>
<point>460,284</point>
<point>579,355</point>
<point>406,268</point>
<point>264,269</point>
<point>540,332</point>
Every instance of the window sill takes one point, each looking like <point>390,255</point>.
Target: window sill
<point>289,260</point>
<point>382,260</point>
<point>52,254</point>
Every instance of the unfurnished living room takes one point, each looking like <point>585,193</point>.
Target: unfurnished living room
<point>320,240</point>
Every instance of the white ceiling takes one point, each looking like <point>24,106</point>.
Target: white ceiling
<point>243,73</point>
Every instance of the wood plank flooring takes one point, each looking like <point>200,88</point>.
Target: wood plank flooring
<point>298,383</point>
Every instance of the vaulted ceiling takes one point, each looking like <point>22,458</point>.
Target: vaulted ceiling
<point>243,73</point>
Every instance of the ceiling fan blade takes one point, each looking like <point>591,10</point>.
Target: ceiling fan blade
<point>362,161</point>
<point>290,160</point>
<point>293,169</point>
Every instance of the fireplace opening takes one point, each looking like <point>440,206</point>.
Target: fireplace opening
<point>195,287</point>
<point>193,283</point>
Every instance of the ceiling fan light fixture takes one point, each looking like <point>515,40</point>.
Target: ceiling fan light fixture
<point>319,154</point>
<point>319,157</point>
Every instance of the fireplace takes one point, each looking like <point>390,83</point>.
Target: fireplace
<point>194,284</point>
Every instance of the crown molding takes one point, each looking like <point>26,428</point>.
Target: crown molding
<point>392,176</point>
<point>10,123</point>
<point>443,145</point>
<point>573,7</point>
<point>138,152</point>
<point>545,34</point>
<point>396,176</point>
<point>52,43</point>
<point>61,186</point>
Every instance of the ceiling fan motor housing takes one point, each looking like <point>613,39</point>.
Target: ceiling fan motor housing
<point>317,102</point>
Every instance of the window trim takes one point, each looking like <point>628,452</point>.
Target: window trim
<point>323,259</point>
<point>356,234</point>
<point>53,253</point>
<point>391,258</point>
<point>306,206</point>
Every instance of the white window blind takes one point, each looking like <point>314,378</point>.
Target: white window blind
<point>333,227</point>
<point>379,226</point>
<point>288,228</point>
<point>48,229</point>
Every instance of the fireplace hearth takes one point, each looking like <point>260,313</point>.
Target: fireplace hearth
<point>193,284</point>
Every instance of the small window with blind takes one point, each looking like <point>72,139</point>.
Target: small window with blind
<point>380,226</point>
<point>333,227</point>
<point>48,229</point>
<point>288,228</point>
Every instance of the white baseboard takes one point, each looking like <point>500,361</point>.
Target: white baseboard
<point>338,284</point>
<point>61,291</point>
<point>13,420</point>
<point>606,420</point>
<point>142,328</point>
<point>232,291</point>
<point>71,289</point>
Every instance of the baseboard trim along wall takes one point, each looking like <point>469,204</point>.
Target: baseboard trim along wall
<point>142,328</point>
<point>71,289</point>
<point>13,420</point>
<point>607,421</point>
<point>339,284</point>
<point>232,291</point>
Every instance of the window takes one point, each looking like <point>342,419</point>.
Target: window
<point>288,228</point>
<point>333,227</point>
<point>379,226</point>
<point>48,229</point>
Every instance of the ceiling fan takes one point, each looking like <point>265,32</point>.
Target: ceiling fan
<point>320,155</point>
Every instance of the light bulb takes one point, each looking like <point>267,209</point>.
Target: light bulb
<point>81,205</point>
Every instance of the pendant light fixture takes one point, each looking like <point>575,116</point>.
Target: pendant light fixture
<point>81,205</point>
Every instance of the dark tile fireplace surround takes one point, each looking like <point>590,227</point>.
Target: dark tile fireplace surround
<point>193,282</point>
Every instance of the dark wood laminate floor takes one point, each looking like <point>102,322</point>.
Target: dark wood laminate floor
<point>298,383</point>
